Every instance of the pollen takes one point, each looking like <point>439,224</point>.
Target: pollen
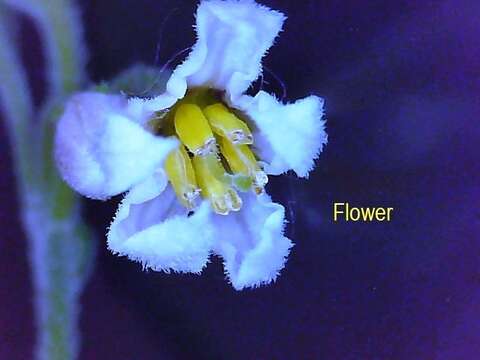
<point>194,130</point>
<point>242,162</point>
<point>213,181</point>
<point>181,175</point>
<point>224,123</point>
<point>214,160</point>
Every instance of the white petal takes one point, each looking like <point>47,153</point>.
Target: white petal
<point>101,150</point>
<point>153,228</point>
<point>142,108</point>
<point>232,37</point>
<point>289,136</point>
<point>251,242</point>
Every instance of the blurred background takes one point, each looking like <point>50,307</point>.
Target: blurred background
<point>401,81</point>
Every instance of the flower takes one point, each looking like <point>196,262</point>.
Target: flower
<point>171,153</point>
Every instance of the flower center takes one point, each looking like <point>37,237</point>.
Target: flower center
<point>214,159</point>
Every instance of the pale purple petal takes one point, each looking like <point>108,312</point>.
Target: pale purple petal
<point>251,242</point>
<point>232,38</point>
<point>101,150</point>
<point>289,136</point>
<point>151,227</point>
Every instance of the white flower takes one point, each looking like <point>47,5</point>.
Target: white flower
<point>106,145</point>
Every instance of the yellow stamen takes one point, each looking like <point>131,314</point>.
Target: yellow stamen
<point>212,179</point>
<point>180,172</point>
<point>226,124</point>
<point>193,130</point>
<point>242,161</point>
<point>197,167</point>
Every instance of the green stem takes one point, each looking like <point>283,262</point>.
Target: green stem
<point>62,34</point>
<point>16,101</point>
<point>60,243</point>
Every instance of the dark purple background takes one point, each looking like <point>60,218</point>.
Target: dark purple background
<point>401,83</point>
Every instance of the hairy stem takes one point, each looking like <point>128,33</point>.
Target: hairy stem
<point>59,241</point>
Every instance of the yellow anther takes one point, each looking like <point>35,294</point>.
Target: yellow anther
<point>241,161</point>
<point>181,175</point>
<point>239,157</point>
<point>193,130</point>
<point>212,179</point>
<point>226,124</point>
